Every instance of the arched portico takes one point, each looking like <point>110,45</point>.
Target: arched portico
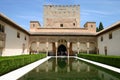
<point>33,47</point>
<point>62,50</point>
<point>62,46</point>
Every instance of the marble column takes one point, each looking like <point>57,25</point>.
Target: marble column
<point>29,48</point>
<point>37,69</point>
<point>56,45</point>
<point>68,46</point>
<point>47,44</point>
<point>88,47</point>
<point>88,68</point>
<point>38,44</point>
<point>47,67</point>
<point>56,65</point>
<point>68,66</point>
<point>78,47</point>
<point>78,66</point>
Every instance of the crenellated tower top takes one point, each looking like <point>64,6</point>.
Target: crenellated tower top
<point>62,16</point>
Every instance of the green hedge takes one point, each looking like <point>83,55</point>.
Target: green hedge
<point>109,60</point>
<point>8,64</point>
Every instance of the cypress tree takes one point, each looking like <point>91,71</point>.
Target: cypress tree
<point>101,26</point>
<point>97,29</point>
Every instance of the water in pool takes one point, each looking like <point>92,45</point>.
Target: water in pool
<point>69,69</point>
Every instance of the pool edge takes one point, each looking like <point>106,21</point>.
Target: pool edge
<point>16,74</point>
<point>101,65</point>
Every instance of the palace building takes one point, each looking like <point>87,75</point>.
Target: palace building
<point>61,35</point>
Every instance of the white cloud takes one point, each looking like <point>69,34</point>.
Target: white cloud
<point>95,12</point>
<point>28,17</point>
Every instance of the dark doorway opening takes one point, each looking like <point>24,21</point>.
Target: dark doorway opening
<point>62,51</point>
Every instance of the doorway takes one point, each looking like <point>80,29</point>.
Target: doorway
<point>62,51</point>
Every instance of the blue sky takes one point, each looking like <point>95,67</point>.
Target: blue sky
<point>23,11</point>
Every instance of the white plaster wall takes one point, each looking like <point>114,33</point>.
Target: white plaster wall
<point>14,45</point>
<point>113,45</point>
<point>13,52</point>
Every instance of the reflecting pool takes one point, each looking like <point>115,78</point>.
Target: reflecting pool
<point>69,69</point>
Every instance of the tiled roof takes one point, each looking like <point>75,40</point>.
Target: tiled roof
<point>109,28</point>
<point>63,33</point>
<point>10,22</point>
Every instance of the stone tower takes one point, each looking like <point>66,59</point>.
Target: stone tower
<point>62,16</point>
<point>34,25</point>
<point>91,26</point>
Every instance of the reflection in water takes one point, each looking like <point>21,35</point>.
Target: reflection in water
<point>62,62</point>
<point>68,69</point>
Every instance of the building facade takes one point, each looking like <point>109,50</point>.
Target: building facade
<point>108,40</point>
<point>13,39</point>
<point>61,35</point>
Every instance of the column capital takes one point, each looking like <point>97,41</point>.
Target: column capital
<point>68,44</point>
<point>37,42</point>
<point>78,44</point>
<point>88,45</point>
<point>47,44</point>
<point>38,45</point>
<point>56,44</point>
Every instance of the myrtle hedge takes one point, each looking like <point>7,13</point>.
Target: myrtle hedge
<point>11,63</point>
<point>109,60</point>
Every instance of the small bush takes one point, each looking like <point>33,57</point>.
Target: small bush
<point>109,60</point>
<point>8,64</point>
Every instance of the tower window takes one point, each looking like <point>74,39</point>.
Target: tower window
<point>25,38</point>
<point>33,25</point>
<point>18,35</point>
<point>101,38</point>
<point>73,24</point>
<point>2,28</point>
<point>61,25</point>
<point>110,35</point>
<point>91,26</point>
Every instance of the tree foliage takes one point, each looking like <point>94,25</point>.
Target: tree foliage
<point>97,29</point>
<point>100,27</point>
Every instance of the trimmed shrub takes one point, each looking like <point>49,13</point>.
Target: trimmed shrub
<point>8,64</point>
<point>109,60</point>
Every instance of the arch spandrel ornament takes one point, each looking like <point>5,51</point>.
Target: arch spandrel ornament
<point>62,41</point>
